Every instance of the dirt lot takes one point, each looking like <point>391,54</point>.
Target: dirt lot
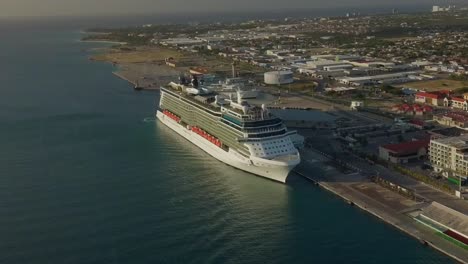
<point>436,85</point>
<point>156,55</point>
<point>140,55</point>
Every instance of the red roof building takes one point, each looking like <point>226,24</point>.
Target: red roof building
<point>456,102</point>
<point>427,109</point>
<point>436,99</point>
<point>404,152</point>
<point>420,124</point>
<point>412,109</point>
<point>453,119</point>
<point>458,99</point>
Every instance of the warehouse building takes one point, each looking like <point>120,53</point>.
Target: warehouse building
<point>376,79</point>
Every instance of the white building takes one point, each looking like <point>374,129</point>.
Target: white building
<point>337,67</point>
<point>450,155</point>
<point>320,64</point>
<point>382,78</point>
<point>441,8</point>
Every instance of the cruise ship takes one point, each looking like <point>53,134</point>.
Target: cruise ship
<point>246,137</point>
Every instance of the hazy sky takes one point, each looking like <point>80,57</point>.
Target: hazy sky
<point>90,7</point>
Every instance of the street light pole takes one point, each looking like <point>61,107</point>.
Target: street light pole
<point>459,184</point>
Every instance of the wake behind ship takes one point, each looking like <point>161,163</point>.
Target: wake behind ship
<point>247,137</point>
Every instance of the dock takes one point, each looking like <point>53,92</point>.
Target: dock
<point>388,206</point>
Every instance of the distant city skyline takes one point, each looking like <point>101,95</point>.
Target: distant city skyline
<point>118,7</point>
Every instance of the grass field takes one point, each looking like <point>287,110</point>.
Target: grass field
<point>436,85</point>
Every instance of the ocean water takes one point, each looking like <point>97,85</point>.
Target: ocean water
<point>88,176</point>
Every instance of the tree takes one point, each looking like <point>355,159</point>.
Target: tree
<point>363,141</point>
<point>401,138</point>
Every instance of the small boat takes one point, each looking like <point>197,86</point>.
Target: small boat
<point>137,87</point>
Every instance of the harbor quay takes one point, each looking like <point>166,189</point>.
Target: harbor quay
<point>356,189</point>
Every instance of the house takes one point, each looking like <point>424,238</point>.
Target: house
<point>456,102</point>
<point>453,119</point>
<point>412,109</point>
<point>436,99</point>
<point>418,110</point>
<point>404,152</point>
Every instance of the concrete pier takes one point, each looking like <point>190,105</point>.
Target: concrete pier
<point>392,208</point>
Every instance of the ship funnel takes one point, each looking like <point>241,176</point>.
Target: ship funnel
<point>239,97</point>
<point>216,99</point>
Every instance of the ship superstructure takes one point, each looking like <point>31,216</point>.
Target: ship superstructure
<point>247,137</point>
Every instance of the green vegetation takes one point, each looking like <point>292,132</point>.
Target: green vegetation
<point>462,90</point>
<point>401,138</point>
<point>391,90</point>
<point>460,77</point>
<point>423,178</point>
<point>437,85</point>
<point>415,175</point>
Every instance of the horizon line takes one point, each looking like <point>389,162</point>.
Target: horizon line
<point>203,12</point>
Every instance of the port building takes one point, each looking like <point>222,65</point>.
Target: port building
<point>278,77</point>
<point>404,152</point>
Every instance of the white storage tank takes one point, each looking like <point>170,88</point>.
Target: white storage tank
<point>278,77</point>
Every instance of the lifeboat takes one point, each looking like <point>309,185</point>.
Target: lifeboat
<point>171,116</point>
<point>207,136</point>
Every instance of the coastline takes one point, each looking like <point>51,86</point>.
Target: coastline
<point>144,68</point>
<point>104,41</point>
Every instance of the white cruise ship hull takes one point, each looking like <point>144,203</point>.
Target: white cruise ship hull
<point>271,169</point>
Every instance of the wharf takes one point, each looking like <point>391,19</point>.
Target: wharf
<point>392,208</point>
<point>146,76</point>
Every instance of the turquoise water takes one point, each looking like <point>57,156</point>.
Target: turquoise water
<point>87,176</point>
